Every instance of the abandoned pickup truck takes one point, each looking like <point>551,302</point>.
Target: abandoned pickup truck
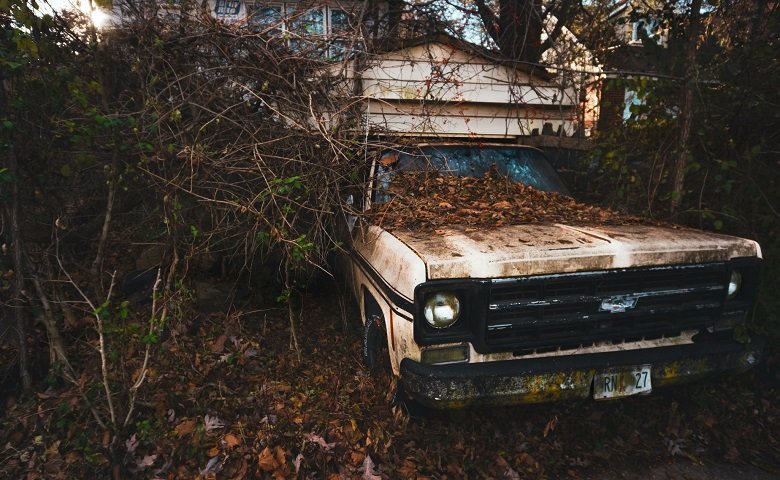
<point>529,311</point>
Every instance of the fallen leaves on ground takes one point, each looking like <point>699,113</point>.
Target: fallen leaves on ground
<point>269,416</point>
<point>185,427</point>
<point>212,423</point>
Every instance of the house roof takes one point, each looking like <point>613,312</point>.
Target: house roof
<point>634,59</point>
<point>441,86</point>
<point>492,56</point>
<point>619,7</point>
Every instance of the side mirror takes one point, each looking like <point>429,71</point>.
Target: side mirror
<point>349,201</point>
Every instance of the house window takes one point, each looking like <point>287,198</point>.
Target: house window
<point>339,21</point>
<point>339,29</point>
<point>320,32</point>
<point>265,19</point>
<point>308,23</point>
<point>337,49</point>
<point>633,101</point>
<point>306,30</point>
<point>227,7</point>
<point>645,28</point>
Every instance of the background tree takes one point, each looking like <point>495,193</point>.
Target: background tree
<point>137,158</point>
<point>32,80</point>
<point>714,85</point>
<point>517,27</point>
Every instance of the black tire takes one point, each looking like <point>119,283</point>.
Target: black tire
<point>376,359</point>
<point>375,352</point>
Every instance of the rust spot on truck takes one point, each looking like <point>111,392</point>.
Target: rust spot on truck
<point>532,249</point>
<point>522,389</point>
<point>529,387</point>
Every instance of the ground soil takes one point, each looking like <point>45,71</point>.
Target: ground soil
<point>228,398</point>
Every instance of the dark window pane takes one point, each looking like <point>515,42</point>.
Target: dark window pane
<point>227,7</point>
<point>264,18</point>
<point>311,22</point>
<point>338,49</point>
<point>339,21</point>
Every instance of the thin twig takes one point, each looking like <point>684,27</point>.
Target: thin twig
<point>153,326</point>
<point>101,336</point>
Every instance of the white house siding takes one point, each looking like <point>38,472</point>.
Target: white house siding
<point>440,90</point>
<point>462,120</point>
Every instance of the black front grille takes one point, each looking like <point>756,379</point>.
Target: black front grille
<point>546,312</point>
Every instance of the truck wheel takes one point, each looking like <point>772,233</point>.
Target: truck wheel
<point>375,352</point>
<point>376,359</point>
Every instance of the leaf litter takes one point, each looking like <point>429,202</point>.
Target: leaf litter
<point>429,201</point>
<point>270,416</point>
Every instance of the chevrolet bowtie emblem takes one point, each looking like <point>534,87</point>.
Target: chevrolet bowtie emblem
<point>618,304</point>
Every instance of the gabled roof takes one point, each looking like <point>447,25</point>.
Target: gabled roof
<point>634,59</point>
<point>619,8</point>
<point>495,57</point>
<point>441,86</point>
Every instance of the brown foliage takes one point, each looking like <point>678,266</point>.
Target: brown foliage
<point>429,201</point>
<point>283,419</point>
<point>249,138</point>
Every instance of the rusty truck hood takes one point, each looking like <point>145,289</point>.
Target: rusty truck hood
<point>539,249</point>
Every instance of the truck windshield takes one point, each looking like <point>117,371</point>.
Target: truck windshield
<point>521,164</point>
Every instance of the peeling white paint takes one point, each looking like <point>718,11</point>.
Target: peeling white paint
<point>544,249</point>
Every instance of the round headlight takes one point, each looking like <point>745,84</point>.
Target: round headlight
<point>441,309</point>
<point>735,283</point>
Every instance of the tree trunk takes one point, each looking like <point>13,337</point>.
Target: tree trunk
<point>520,24</point>
<point>393,18</point>
<point>517,29</point>
<point>56,344</point>
<point>16,239</point>
<point>12,212</point>
<point>16,234</point>
<point>686,107</point>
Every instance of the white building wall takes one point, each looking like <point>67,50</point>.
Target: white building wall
<point>436,89</point>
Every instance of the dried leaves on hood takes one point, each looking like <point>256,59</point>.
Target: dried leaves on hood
<point>429,201</point>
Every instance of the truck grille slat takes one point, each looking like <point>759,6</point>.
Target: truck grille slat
<point>563,311</point>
